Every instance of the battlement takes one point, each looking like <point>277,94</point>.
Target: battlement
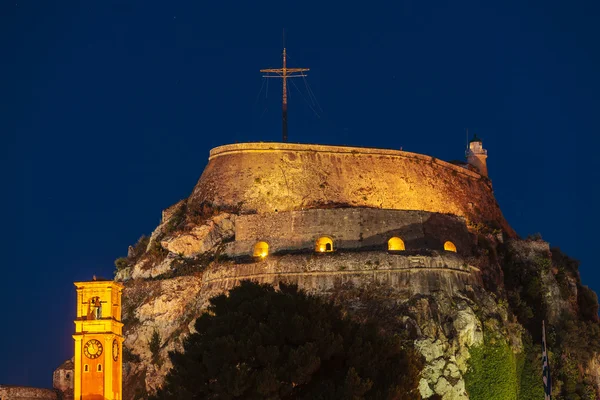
<point>266,178</point>
<point>261,147</point>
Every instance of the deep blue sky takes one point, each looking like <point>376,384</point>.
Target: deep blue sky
<point>109,109</point>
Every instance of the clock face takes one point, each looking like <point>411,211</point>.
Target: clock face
<point>92,349</point>
<point>115,350</point>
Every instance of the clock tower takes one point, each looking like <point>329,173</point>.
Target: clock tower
<point>98,368</point>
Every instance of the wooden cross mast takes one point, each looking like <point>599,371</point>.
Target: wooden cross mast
<point>284,73</point>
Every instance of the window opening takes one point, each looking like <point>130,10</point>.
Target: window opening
<point>324,244</point>
<point>261,249</point>
<point>396,244</point>
<point>449,246</point>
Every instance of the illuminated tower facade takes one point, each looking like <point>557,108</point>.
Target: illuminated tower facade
<point>477,156</point>
<point>98,368</point>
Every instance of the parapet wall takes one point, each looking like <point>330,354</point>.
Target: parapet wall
<point>405,275</point>
<point>9,392</point>
<point>273,177</point>
<point>350,228</point>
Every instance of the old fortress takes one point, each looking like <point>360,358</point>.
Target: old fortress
<point>388,216</point>
<point>322,217</point>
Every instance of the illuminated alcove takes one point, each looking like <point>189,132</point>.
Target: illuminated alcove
<point>324,244</point>
<point>396,244</point>
<point>261,249</point>
<point>449,246</point>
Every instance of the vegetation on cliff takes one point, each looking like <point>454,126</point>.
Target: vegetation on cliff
<point>546,286</point>
<point>497,373</point>
<point>261,343</point>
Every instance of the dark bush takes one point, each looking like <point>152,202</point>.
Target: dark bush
<point>121,263</point>
<point>139,248</point>
<point>154,346</point>
<point>259,343</point>
<point>587,301</point>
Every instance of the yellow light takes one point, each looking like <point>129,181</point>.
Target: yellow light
<point>396,244</point>
<point>449,246</point>
<point>261,249</point>
<point>324,244</point>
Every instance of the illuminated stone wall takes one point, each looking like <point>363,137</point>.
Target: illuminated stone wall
<point>8,392</point>
<point>405,275</point>
<point>350,228</point>
<point>270,177</point>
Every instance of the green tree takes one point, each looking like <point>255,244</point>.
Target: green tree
<point>260,343</point>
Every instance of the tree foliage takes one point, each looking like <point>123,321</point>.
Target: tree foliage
<point>260,343</point>
<point>492,372</point>
<point>495,372</point>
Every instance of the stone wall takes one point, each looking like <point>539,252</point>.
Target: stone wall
<point>350,228</point>
<point>9,392</point>
<point>63,378</point>
<point>275,177</point>
<point>407,275</point>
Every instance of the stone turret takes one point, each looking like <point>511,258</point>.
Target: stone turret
<point>477,155</point>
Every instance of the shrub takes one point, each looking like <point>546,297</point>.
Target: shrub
<point>587,301</point>
<point>492,371</point>
<point>260,343</point>
<point>528,370</point>
<point>154,346</point>
<point>139,248</point>
<point>157,253</point>
<point>121,263</point>
<point>534,237</point>
<point>128,356</point>
<point>176,219</point>
<point>564,262</point>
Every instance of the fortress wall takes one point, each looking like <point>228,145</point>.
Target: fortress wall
<point>349,228</point>
<point>270,177</point>
<point>9,392</point>
<point>323,273</point>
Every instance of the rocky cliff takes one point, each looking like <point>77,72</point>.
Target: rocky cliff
<point>459,310</point>
<point>473,309</point>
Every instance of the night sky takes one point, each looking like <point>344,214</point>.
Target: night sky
<point>108,110</point>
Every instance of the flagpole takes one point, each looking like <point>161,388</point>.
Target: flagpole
<point>545,366</point>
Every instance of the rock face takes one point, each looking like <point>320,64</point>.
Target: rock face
<point>288,196</point>
<point>202,238</point>
<point>435,294</point>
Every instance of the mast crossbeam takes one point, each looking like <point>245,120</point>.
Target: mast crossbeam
<point>284,73</point>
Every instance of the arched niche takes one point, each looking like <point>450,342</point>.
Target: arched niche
<point>396,244</point>
<point>449,246</point>
<point>324,244</point>
<point>261,249</point>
